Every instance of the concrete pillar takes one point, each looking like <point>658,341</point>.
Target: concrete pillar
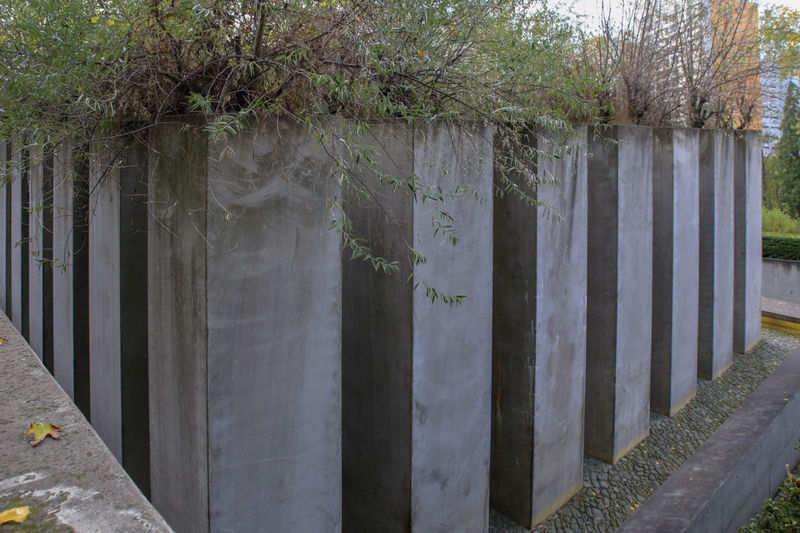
<point>36,251</point>
<point>40,260</point>
<point>676,213</point>
<point>747,241</point>
<point>4,226</point>
<point>8,205</point>
<point>417,373</point>
<point>619,283</point>
<point>19,239</point>
<point>118,303</point>
<point>715,333</point>
<point>244,312</point>
<point>47,258</point>
<point>539,339</point>
<point>70,274</point>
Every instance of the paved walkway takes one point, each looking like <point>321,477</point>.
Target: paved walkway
<point>72,484</point>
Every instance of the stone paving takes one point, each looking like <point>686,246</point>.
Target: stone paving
<point>611,493</point>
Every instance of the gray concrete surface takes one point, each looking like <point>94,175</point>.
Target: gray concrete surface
<point>105,373</point>
<point>747,241</point>
<point>377,350</point>
<point>133,315</point>
<point>727,480</point>
<point>612,493</point>
<point>118,303</point>
<point>620,277</point>
<point>177,319</point>
<point>539,338</point>
<point>780,279</point>
<point>4,225</point>
<point>62,273</point>
<point>36,252</point>
<point>432,362</point>
<point>245,332</point>
<point>47,260</point>
<point>7,187</point>
<point>71,275</point>
<point>19,264</point>
<point>72,484</point>
<point>675,293</point>
<point>451,375</point>
<point>715,314</point>
<point>780,310</point>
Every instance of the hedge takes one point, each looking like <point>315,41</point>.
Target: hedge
<point>781,247</point>
<point>781,514</point>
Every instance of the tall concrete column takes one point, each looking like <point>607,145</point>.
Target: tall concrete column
<point>8,187</point>
<point>417,373</point>
<point>244,312</point>
<point>118,303</point>
<point>19,239</point>
<point>47,260</point>
<point>715,333</point>
<point>4,226</point>
<point>539,338</point>
<point>747,241</point>
<point>619,290</point>
<point>36,251</point>
<point>70,274</point>
<point>676,271</point>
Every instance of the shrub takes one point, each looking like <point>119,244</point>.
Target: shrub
<point>776,221</point>
<point>780,247</point>
<point>781,515</point>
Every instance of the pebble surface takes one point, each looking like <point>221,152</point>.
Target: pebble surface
<point>612,493</point>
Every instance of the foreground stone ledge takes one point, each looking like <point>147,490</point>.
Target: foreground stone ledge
<point>727,480</point>
<point>73,484</point>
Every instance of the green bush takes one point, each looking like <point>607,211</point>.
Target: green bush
<point>776,221</point>
<point>780,247</point>
<point>781,515</point>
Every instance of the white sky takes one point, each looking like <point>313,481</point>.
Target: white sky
<point>590,9</point>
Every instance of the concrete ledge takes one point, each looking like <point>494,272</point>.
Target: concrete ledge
<point>780,279</point>
<point>780,310</point>
<point>741,465</point>
<point>70,484</point>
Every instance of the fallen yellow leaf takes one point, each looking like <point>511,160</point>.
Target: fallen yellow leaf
<point>40,431</point>
<point>17,515</point>
<point>2,340</point>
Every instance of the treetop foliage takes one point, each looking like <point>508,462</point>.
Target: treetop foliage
<point>76,63</point>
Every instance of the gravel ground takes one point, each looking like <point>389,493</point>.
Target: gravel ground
<point>611,493</point>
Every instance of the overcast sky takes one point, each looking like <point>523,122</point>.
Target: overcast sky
<point>590,9</point>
